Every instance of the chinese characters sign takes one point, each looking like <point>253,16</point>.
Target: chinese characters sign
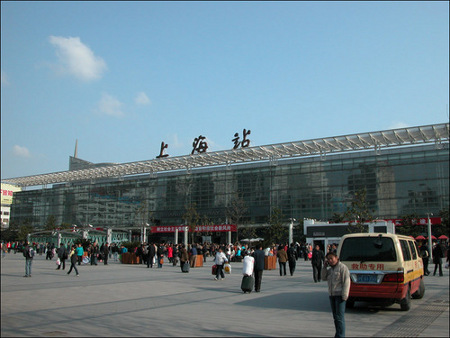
<point>364,266</point>
<point>245,142</point>
<point>200,145</point>
<point>7,193</point>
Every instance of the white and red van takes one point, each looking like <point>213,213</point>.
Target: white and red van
<point>383,268</point>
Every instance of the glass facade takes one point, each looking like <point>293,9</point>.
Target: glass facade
<point>398,181</point>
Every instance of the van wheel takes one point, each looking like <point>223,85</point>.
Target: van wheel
<point>350,303</point>
<point>420,292</point>
<point>405,303</point>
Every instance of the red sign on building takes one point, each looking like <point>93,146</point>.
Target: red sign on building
<point>198,228</point>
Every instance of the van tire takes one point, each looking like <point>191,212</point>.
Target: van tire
<point>420,292</point>
<point>405,303</point>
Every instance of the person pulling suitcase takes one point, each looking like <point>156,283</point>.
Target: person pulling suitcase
<point>248,281</point>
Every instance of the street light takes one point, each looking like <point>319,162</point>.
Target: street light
<point>291,230</point>
<point>429,236</point>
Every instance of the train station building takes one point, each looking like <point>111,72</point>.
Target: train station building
<point>403,171</point>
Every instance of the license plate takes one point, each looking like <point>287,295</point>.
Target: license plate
<point>367,278</point>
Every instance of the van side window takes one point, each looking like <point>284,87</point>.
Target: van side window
<point>413,249</point>
<point>405,250</point>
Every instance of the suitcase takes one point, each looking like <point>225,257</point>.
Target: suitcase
<point>186,267</point>
<point>214,269</point>
<point>247,283</point>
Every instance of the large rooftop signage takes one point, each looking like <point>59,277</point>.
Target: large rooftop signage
<point>437,133</point>
<point>200,145</point>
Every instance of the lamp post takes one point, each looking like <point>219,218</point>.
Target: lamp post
<point>291,230</point>
<point>429,236</point>
<point>186,232</point>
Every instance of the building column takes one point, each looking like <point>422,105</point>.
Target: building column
<point>186,233</point>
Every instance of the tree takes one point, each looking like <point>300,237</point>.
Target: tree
<point>235,211</point>
<point>24,230</point>
<point>276,233</point>
<point>248,232</point>
<point>444,228</point>
<point>51,223</point>
<point>409,226</point>
<point>10,234</point>
<point>337,218</point>
<point>191,219</point>
<point>358,212</point>
<point>65,226</point>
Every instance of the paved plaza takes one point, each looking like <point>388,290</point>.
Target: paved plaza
<point>131,300</point>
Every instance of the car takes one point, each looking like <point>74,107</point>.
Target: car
<point>384,268</point>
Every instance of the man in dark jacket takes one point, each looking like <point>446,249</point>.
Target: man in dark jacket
<point>316,261</point>
<point>94,253</point>
<point>105,253</point>
<point>160,254</point>
<point>438,254</point>
<point>62,255</point>
<point>292,258</point>
<point>425,254</point>
<point>259,267</point>
<point>150,255</point>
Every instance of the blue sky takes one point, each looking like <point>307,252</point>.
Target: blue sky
<point>122,77</point>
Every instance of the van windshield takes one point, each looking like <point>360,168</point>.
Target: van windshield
<point>379,249</point>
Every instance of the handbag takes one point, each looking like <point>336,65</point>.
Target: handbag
<point>161,261</point>
<point>227,268</point>
<point>58,262</point>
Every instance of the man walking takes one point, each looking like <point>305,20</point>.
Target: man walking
<point>316,262</point>
<point>151,255</point>
<point>259,267</point>
<point>105,253</point>
<point>62,255</point>
<point>292,258</point>
<point>338,278</point>
<point>94,253</point>
<point>425,254</point>
<point>220,261</point>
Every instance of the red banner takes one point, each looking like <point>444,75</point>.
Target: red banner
<point>198,228</point>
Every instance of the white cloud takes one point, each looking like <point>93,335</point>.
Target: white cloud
<point>21,151</point>
<point>77,59</point>
<point>5,81</point>
<point>398,125</point>
<point>109,105</point>
<point>142,99</point>
<point>175,142</point>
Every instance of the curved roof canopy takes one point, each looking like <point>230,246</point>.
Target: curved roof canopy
<point>436,133</point>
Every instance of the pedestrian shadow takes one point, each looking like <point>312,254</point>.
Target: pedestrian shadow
<point>312,301</point>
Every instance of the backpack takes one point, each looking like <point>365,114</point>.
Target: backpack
<point>28,252</point>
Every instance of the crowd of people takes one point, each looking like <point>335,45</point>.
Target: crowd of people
<point>325,264</point>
